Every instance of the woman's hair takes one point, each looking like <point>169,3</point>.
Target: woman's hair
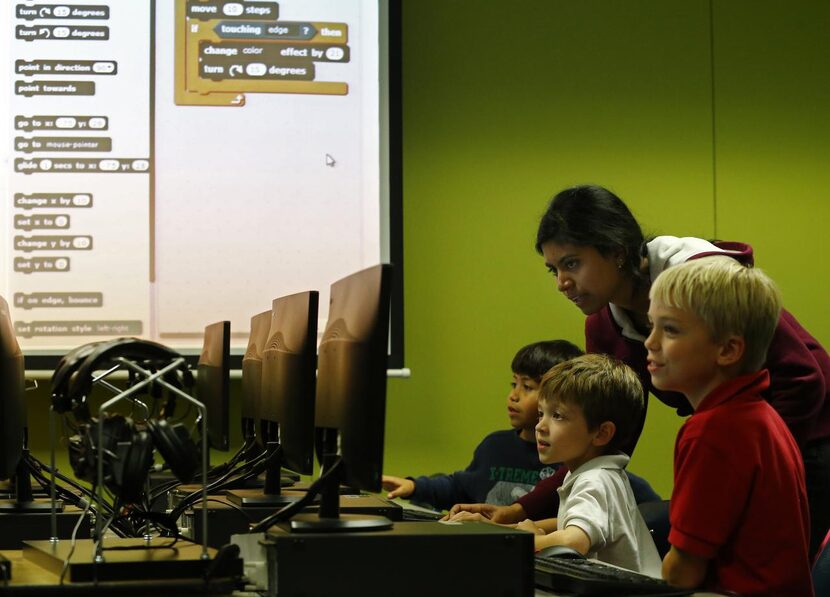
<point>590,215</point>
<point>535,359</point>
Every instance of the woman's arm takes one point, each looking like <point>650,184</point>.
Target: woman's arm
<point>798,366</point>
<point>543,501</point>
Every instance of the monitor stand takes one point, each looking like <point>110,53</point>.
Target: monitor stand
<point>23,500</point>
<point>271,493</point>
<point>328,518</point>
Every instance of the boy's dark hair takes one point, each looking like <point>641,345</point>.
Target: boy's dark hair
<point>534,360</point>
<point>593,216</point>
<point>604,388</point>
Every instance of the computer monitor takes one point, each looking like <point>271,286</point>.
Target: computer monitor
<point>12,402</point>
<point>289,365</point>
<point>286,398</point>
<point>351,396</point>
<point>252,376</point>
<point>13,420</point>
<point>213,383</point>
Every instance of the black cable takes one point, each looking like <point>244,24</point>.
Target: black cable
<point>163,489</point>
<point>170,545</point>
<point>37,467</point>
<point>218,485</point>
<point>158,519</point>
<point>231,462</point>
<point>286,512</point>
<point>65,494</point>
<point>257,466</point>
<point>228,503</point>
<point>183,416</point>
<point>219,470</point>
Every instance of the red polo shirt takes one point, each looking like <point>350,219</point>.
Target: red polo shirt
<point>739,498</point>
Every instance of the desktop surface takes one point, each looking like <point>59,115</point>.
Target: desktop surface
<point>226,519</point>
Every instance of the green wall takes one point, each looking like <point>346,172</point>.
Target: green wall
<point>708,118</point>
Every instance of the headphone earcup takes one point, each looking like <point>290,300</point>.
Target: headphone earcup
<point>176,447</point>
<point>83,451</point>
<point>131,466</point>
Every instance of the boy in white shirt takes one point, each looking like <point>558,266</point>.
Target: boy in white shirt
<point>588,407</point>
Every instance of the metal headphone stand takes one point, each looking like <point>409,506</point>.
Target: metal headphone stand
<point>150,377</point>
<point>188,566</point>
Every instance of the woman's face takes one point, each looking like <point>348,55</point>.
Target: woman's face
<point>586,277</point>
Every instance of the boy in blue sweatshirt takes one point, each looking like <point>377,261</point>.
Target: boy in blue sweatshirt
<point>505,464</point>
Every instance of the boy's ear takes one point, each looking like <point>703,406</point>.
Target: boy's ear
<point>731,351</point>
<point>604,433</point>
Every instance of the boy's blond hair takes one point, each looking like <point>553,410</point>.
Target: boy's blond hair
<point>730,298</point>
<point>604,388</point>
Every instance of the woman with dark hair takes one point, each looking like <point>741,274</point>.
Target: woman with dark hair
<point>601,261</point>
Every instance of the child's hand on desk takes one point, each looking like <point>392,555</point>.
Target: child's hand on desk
<point>486,510</point>
<point>498,514</point>
<point>467,516</point>
<point>530,526</point>
<point>398,487</point>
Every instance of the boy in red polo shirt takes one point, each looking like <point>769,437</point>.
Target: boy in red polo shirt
<point>739,515</point>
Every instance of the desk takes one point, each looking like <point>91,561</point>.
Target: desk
<point>16,527</point>
<point>28,578</point>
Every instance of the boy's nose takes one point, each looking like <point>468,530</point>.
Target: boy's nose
<point>651,341</point>
<point>563,282</point>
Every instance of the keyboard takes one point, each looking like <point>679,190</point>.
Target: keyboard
<point>589,577</point>
<point>410,514</point>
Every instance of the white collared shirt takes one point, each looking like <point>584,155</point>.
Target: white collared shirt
<point>597,498</point>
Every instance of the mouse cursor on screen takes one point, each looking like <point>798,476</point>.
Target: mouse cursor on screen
<point>330,161</point>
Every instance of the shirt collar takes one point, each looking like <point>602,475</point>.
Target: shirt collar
<point>616,461</point>
<point>752,383</point>
<point>627,328</point>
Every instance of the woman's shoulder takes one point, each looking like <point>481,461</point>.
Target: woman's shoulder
<point>600,328</point>
<point>667,251</point>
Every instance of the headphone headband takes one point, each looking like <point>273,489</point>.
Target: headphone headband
<point>72,380</point>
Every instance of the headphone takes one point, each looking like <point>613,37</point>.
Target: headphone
<point>176,447</point>
<point>67,366</point>
<point>127,447</point>
<point>72,380</point>
<point>127,455</point>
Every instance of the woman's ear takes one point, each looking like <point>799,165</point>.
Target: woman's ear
<point>604,433</point>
